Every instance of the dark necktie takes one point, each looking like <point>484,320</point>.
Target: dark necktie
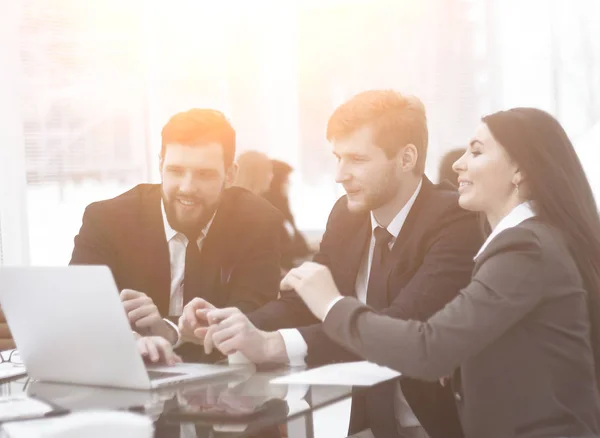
<point>191,275</point>
<point>380,398</point>
<point>377,287</point>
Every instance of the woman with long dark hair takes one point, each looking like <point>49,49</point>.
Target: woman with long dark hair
<point>521,340</point>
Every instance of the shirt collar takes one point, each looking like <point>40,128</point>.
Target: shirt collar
<point>170,233</point>
<point>396,224</point>
<point>519,214</point>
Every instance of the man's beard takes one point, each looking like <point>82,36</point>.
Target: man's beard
<point>382,194</point>
<point>193,228</point>
<point>378,199</point>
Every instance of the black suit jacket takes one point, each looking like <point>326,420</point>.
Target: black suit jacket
<point>240,257</point>
<point>432,260</point>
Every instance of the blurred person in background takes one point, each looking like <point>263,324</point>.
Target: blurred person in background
<point>293,244</point>
<point>446,173</point>
<point>255,172</point>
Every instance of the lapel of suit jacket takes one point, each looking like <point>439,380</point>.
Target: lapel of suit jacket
<point>156,248</point>
<point>348,261</point>
<point>411,234</point>
<point>413,225</point>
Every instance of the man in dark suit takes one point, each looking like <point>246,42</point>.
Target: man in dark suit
<point>143,235</point>
<point>395,241</point>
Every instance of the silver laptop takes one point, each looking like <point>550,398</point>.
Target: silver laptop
<point>70,327</point>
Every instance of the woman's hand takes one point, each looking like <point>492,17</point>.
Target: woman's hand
<point>315,285</point>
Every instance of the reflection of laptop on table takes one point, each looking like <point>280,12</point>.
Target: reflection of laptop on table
<point>212,404</point>
<point>70,327</point>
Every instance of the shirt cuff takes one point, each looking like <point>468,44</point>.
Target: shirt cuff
<point>333,303</point>
<point>295,347</point>
<point>174,327</point>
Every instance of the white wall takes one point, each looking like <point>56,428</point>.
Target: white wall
<point>13,214</point>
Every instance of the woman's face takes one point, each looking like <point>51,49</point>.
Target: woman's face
<point>487,177</point>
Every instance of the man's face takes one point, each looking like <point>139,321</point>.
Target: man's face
<point>370,178</point>
<point>193,179</point>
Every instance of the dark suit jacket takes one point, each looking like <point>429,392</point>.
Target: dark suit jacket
<point>239,258</point>
<point>520,332</point>
<point>432,260</point>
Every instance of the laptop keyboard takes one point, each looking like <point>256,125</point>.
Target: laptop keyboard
<point>153,375</point>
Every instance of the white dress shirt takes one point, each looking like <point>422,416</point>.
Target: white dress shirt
<point>294,342</point>
<point>520,213</point>
<point>177,247</point>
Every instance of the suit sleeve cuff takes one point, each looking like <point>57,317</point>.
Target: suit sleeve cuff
<point>174,327</point>
<point>330,306</point>
<point>295,347</point>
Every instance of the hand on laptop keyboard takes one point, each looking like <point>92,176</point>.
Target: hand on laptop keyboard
<point>155,349</point>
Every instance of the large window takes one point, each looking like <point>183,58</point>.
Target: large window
<point>98,80</point>
<point>84,120</point>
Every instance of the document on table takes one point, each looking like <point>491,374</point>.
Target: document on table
<point>348,373</point>
<point>20,406</point>
<point>8,370</point>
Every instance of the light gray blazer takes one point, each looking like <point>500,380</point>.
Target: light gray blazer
<point>516,339</point>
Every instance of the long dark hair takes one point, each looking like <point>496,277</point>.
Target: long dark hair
<point>562,195</point>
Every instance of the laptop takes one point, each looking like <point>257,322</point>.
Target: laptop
<point>70,327</point>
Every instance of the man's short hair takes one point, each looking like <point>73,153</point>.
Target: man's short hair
<point>197,127</point>
<point>396,120</point>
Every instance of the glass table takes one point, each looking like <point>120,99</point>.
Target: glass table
<point>240,404</point>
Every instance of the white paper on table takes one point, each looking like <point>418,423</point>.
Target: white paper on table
<point>348,373</point>
<point>94,423</point>
<point>8,370</point>
<point>22,406</point>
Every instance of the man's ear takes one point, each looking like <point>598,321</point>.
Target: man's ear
<point>231,175</point>
<point>408,157</point>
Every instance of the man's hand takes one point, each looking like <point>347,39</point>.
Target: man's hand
<point>141,310</point>
<point>155,349</point>
<point>144,317</point>
<point>315,285</point>
<point>231,331</point>
<point>193,324</point>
